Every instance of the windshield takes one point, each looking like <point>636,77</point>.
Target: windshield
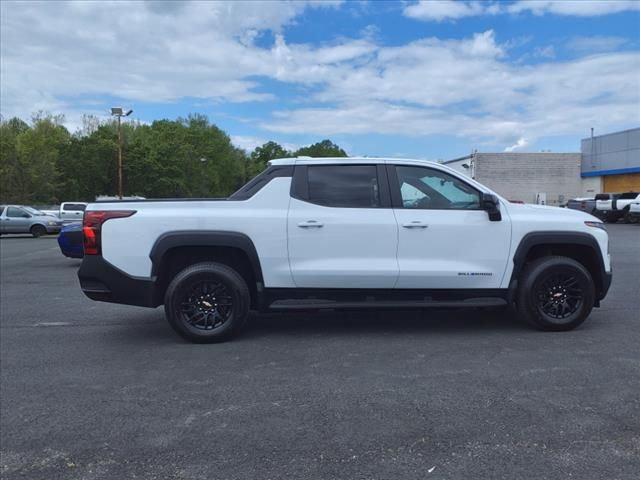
<point>34,211</point>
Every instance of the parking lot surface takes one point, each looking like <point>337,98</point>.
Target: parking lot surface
<point>94,390</point>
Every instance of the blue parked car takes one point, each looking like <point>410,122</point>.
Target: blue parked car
<point>70,241</point>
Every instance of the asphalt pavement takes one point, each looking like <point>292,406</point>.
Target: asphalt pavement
<point>92,390</point>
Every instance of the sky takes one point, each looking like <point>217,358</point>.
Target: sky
<point>422,79</point>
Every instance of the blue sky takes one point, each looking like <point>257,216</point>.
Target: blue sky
<point>428,79</point>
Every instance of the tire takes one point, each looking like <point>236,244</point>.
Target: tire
<point>38,231</point>
<point>628,218</point>
<point>191,307</point>
<point>600,214</point>
<point>555,294</point>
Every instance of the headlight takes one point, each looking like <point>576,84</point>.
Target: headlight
<point>51,223</point>
<point>599,225</point>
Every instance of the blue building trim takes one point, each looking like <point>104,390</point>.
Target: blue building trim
<point>616,171</point>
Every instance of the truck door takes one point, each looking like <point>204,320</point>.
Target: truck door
<point>341,230</point>
<point>444,239</point>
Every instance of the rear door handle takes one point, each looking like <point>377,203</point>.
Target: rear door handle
<point>310,224</point>
<point>415,224</point>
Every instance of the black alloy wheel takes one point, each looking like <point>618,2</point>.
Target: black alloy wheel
<point>207,305</point>
<point>555,293</point>
<point>560,294</point>
<point>207,302</point>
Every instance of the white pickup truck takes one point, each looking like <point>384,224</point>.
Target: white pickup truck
<point>615,206</point>
<point>344,233</point>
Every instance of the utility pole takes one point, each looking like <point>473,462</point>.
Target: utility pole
<point>119,112</point>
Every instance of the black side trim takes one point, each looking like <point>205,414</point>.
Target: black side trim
<point>258,182</point>
<point>396,195</point>
<point>206,238</point>
<point>383,185</point>
<point>299,183</point>
<point>533,239</point>
<point>104,282</point>
<point>317,298</point>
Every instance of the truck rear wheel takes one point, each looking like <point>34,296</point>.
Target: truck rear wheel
<point>628,218</point>
<point>207,302</point>
<point>555,293</point>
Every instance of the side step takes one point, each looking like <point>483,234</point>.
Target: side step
<point>315,304</point>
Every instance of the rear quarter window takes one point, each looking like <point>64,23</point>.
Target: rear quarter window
<point>74,207</point>
<point>629,196</point>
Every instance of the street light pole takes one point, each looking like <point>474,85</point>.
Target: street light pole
<point>119,112</point>
<point>119,157</point>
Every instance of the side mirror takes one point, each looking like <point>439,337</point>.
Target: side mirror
<point>491,205</point>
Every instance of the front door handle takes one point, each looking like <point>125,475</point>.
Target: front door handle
<point>415,224</point>
<point>310,224</point>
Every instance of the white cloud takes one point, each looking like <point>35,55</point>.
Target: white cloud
<point>579,8</point>
<point>595,44</point>
<point>521,144</point>
<point>149,51</point>
<point>469,88</point>
<point>54,54</point>
<point>249,143</point>
<point>440,10</point>
<point>545,52</point>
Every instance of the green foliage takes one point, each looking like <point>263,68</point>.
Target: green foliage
<point>325,148</point>
<point>42,163</point>
<point>261,155</point>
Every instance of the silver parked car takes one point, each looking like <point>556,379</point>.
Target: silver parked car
<point>23,219</point>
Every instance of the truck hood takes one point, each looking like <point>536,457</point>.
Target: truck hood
<point>553,212</point>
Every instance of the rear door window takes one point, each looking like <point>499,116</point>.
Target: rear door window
<point>344,186</point>
<point>629,196</point>
<point>74,207</point>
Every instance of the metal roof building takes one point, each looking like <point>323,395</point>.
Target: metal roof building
<point>613,160</point>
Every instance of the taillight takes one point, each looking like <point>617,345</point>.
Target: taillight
<point>92,225</point>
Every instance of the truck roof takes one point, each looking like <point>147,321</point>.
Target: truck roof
<point>325,160</point>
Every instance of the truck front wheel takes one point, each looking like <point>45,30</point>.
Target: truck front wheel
<point>555,293</point>
<point>207,302</point>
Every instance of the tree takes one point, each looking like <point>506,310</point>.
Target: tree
<point>325,148</point>
<point>39,151</point>
<point>11,175</point>
<point>261,155</point>
<point>41,162</point>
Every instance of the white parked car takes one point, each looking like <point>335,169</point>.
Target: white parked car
<point>345,233</point>
<point>72,212</point>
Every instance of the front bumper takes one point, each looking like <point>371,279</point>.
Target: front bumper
<point>104,282</point>
<point>53,228</point>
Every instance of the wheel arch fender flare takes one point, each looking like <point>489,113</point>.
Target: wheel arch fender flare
<point>203,238</point>
<point>556,238</point>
